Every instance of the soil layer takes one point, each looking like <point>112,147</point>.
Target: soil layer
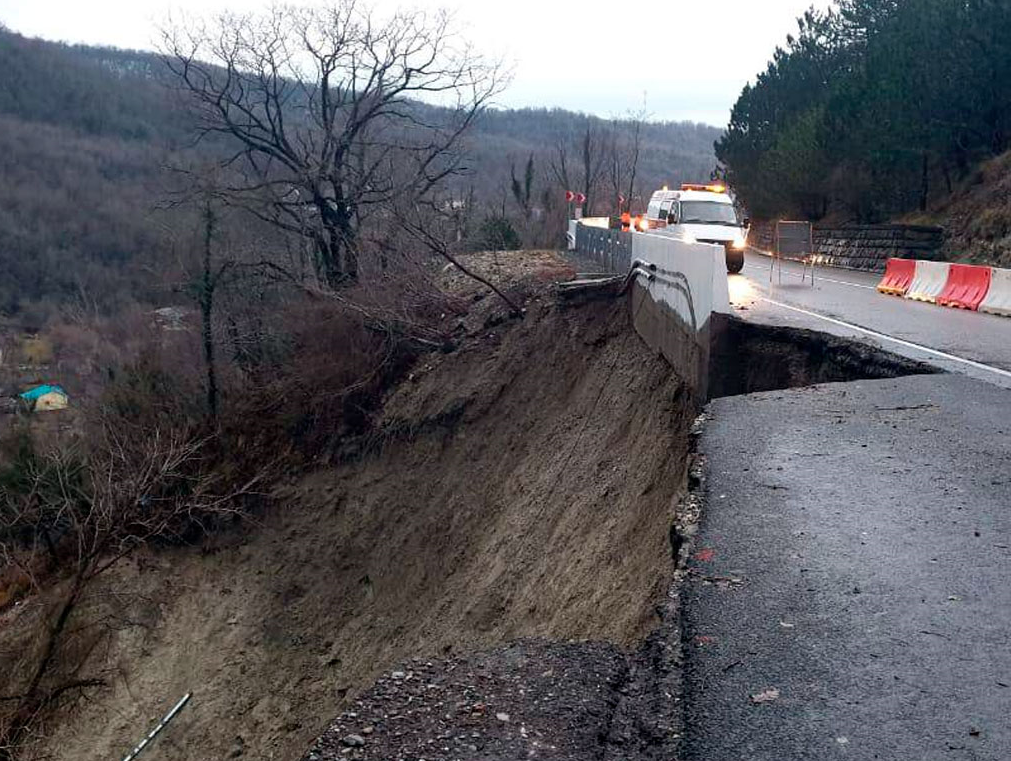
<point>521,486</point>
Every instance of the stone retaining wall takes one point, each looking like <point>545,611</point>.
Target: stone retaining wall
<point>862,247</point>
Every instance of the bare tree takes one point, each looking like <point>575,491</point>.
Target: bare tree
<point>333,114</point>
<point>205,274</point>
<point>590,164</point>
<point>211,276</point>
<point>624,148</point>
<point>523,191</point>
<point>634,161</point>
<point>593,158</point>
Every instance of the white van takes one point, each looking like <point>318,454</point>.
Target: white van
<point>701,213</point>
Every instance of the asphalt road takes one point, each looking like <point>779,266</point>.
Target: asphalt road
<point>975,344</point>
<point>855,557</point>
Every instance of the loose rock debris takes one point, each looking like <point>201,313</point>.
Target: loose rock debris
<point>527,700</point>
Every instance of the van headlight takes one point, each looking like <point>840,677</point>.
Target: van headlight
<point>739,243</point>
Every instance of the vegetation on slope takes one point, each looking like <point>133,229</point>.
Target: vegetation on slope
<point>873,108</point>
<point>977,216</point>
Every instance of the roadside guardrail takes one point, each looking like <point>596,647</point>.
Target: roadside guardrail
<point>678,291</point>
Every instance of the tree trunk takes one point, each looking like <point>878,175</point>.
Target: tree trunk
<point>207,287</point>
<point>336,252</point>
<point>635,166</point>
<point>31,701</point>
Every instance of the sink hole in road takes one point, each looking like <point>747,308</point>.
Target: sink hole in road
<point>749,358</point>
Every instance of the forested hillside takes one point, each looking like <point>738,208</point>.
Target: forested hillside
<point>873,109</point>
<point>86,135</point>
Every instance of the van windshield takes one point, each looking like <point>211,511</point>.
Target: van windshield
<point>707,213</point>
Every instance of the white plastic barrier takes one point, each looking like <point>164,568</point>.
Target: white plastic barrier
<point>998,299</point>
<point>676,289</point>
<point>928,282</point>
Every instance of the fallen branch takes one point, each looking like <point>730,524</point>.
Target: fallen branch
<point>439,247</point>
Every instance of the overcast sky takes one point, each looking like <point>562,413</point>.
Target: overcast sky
<point>688,59</point>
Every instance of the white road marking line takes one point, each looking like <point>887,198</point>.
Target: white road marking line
<point>886,337</point>
<point>826,279</point>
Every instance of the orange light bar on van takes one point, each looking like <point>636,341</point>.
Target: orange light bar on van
<point>716,188</point>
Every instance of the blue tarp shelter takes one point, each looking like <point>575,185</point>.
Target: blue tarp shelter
<point>39,391</point>
<point>46,397</point>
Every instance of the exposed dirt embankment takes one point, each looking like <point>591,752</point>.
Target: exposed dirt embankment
<point>522,486</point>
<point>977,215</point>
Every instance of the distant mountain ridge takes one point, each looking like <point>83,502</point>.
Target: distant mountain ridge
<point>85,131</point>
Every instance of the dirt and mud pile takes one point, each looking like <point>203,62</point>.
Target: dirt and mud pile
<point>522,486</point>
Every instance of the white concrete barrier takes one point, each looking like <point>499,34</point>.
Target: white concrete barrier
<point>692,277</point>
<point>679,295</point>
<point>998,299</point>
<point>680,288</point>
<point>929,281</point>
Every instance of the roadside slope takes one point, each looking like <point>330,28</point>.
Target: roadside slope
<point>522,486</point>
<point>977,216</point>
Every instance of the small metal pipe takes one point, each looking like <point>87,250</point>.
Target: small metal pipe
<point>161,725</point>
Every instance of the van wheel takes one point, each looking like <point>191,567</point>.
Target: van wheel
<point>735,261</point>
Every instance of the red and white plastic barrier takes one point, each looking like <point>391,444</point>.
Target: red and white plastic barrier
<point>898,277</point>
<point>998,300</point>
<point>963,286</point>
<point>966,288</point>
<point>929,281</point>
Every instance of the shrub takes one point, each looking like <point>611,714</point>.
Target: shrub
<point>498,234</point>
